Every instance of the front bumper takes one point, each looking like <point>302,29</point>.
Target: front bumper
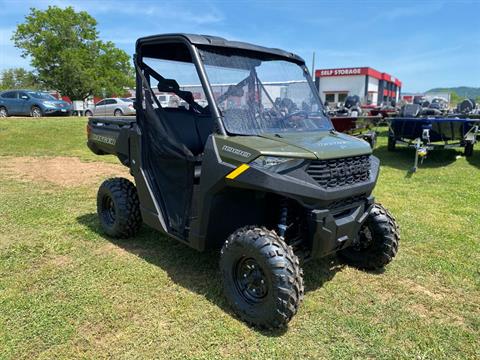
<point>127,111</point>
<point>57,111</point>
<point>333,230</point>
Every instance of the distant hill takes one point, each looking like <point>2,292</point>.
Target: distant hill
<point>461,91</point>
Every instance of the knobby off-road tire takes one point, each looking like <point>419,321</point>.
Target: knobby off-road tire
<point>262,278</point>
<point>378,241</point>
<point>118,208</point>
<point>468,151</point>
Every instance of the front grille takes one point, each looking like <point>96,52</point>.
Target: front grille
<point>336,173</point>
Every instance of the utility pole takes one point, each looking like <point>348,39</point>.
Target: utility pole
<point>313,65</point>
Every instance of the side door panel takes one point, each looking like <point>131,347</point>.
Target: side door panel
<point>112,104</point>
<point>13,104</point>
<point>99,109</point>
<point>24,104</point>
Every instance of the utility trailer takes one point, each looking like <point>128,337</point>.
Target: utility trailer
<point>431,133</point>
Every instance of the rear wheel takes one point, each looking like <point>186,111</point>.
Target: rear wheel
<point>377,241</point>
<point>118,112</point>
<point>468,149</point>
<point>262,278</point>
<point>88,113</point>
<point>118,208</point>
<point>3,112</point>
<point>35,111</point>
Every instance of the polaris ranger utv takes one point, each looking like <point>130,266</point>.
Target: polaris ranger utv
<point>245,160</point>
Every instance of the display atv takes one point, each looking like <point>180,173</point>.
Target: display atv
<point>243,159</point>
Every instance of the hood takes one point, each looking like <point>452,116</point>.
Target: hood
<point>59,103</point>
<point>324,145</point>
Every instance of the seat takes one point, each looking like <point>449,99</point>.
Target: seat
<point>191,128</point>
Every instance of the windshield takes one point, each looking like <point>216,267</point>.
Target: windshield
<point>266,95</point>
<point>41,95</point>
<point>126,99</point>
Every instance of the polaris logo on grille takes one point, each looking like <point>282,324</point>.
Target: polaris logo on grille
<point>347,170</point>
<point>336,173</point>
<point>239,152</point>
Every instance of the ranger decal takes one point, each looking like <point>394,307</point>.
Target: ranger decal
<point>104,139</point>
<point>239,152</point>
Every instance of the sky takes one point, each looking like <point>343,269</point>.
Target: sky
<point>424,43</point>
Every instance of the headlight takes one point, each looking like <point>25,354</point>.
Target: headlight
<point>49,104</point>
<point>276,164</point>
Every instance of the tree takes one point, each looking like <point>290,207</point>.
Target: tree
<point>454,98</point>
<point>67,55</point>
<point>18,78</point>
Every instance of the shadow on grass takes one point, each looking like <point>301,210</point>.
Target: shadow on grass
<point>403,158</point>
<point>474,160</point>
<point>198,271</point>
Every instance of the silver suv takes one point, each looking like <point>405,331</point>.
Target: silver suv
<point>112,106</point>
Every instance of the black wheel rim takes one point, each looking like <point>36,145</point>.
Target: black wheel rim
<point>365,239</point>
<point>250,280</point>
<point>108,210</point>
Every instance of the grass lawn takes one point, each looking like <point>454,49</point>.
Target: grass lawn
<point>67,291</point>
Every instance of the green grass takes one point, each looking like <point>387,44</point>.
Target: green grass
<point>66,291</point>
<point>56,136</point>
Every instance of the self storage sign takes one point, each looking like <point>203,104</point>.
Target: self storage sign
<point>341,72</point>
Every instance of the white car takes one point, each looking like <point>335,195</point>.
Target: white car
<point>112,106</point>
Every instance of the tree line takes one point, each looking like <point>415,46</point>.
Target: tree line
<point>67,55</point>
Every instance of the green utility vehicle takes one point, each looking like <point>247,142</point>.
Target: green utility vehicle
<point>243,158</point>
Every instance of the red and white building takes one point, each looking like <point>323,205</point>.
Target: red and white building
<point>372,86</point>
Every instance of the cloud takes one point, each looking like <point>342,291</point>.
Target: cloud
<point>176,13</point>
<point>411,9</point>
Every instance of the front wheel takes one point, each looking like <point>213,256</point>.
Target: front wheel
<point>88,113</point>
<point>118,112</point>
<point>36,112</point>
<point>377,242</point>
<point>118,208</point>
<point>262,278</point>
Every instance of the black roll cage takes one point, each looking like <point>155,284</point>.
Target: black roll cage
<point>138,59</point>
<point>192,42</point>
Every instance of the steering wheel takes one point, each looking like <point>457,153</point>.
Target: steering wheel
<point>297,113</point>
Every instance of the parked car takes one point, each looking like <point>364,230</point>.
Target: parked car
<point>112,106</point>
<point>32,103</point>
